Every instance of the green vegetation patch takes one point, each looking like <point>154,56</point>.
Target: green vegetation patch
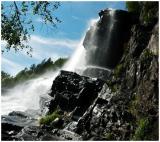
<point>146,10</point>
<point>146,58</point>
<point>46,120</point>
<point>147,54</point>
<point>118,70</point>
<point>149,11</point>
<point>133,6</point>
<point>141,131</point>
<point>109,136</point>
<point>114,88</point>
<point>32,72</point>
<point>133,107</point>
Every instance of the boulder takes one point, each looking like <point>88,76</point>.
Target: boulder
<point>71,91</point>
<point>9,131</point>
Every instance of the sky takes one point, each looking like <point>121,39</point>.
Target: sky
<point>60,42</point>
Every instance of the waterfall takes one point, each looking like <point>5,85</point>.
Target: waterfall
<point>78,62</point>
<point>97,40</point>
<point>97,51</point>
<point>27,95</point>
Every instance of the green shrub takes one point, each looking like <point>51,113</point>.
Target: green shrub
<point>149,11</point>
<point>141,131</point>
<point>49,118</point>
<point>147,54</point>
<point>118,70</point>
<point>133,6</point>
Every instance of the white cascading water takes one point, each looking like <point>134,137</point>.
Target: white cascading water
<point>111,13</point>
<point>27,95</point>
<point>77,62</point>
<point>78,58</point>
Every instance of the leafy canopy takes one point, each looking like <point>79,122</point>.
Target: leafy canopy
<point>32,72</point>
<point>17,24</point>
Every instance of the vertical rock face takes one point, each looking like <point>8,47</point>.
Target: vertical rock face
<point>153,42</point>
<point>137,76</point>
<point>104,41</point>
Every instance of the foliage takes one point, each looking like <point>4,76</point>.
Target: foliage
<point>17,24</point>
<point>33,72</point>
<point>49,118</point>
<point>6,79</point>
<point>146,10</point>
<point>145,126</point>
<point>147,54</point>
<point>142,129</point>
<point>4,75</point>
<point>118,70</point>
<point>133,6</point>
<point>149,11</point>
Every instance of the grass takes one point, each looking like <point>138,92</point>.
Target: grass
<point>49,118</point>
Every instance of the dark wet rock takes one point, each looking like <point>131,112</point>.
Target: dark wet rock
<point>71,126</point>
<point>78,94</point>
<point>28,133</point>
<point>139,40</point>
<point>105,41</point>
<point>95,72</point>
<point>103,119</point>
<point>44,103</point>
<point>138,91</point>
<point>36,133</point>
<point>77,113</point>
<point>19,119</point>
<point>131,76</point>
<point>153,44</point>
<point>68,135</point>
<point>14,122</point>
<point>9,131</point>
<point>57,123</point>
<point>18,114</point>
<point>149,14</point>
<point>71,104</point>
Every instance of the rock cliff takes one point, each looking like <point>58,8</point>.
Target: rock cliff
<point>124,106</point>
<point>104,41</point>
